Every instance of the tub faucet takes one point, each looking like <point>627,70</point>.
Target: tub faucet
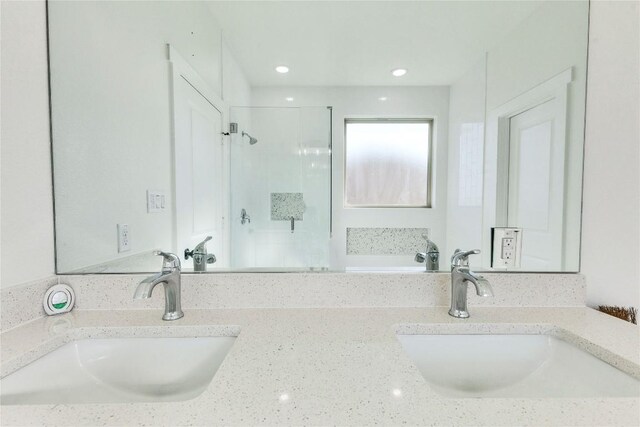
<point>200,256</point>
<point>461,276</point>
<point>170,278</point>
<point>431,256</point>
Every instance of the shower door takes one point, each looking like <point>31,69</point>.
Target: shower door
<point>281,182</point>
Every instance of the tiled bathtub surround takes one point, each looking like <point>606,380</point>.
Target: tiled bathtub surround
<point>287,205</point>
<point>297,290</point>
<point>386,241</point>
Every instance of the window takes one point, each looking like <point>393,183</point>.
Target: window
<point>388,163</point>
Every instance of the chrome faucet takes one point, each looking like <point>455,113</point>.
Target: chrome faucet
<point>170,278</point>
<point>461,276</point>
<point>431,256</point>
<point>200,256</point>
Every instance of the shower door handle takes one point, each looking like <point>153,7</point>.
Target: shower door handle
<point>244,217</point>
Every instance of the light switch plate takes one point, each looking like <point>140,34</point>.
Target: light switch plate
<point>506,248</point>
<point>156,201</point>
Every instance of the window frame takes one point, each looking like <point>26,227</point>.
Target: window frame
<point>430,149</point>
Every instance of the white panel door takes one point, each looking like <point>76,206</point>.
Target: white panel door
<point>198,171</point>
<point>536,185</point>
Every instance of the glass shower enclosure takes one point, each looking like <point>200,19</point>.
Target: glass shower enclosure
<point>280,187</point>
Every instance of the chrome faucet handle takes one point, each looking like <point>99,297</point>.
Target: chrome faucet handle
<point>202,246</point>
<point>200,249</point>
<point>431,246</point>
<point>200,256</point>
<point>461,258</point>
<point>170,262</point>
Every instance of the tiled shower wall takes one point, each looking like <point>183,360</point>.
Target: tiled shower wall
<point>286,173</point>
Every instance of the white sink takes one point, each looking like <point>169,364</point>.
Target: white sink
<point>513,366</point>
<point>118,370</point>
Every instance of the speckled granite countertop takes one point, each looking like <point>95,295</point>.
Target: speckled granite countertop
<point>338,366</point>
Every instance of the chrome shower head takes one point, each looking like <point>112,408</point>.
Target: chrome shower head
<point>252,140</point>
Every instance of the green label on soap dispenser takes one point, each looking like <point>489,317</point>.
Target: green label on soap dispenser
<point>59,300</point>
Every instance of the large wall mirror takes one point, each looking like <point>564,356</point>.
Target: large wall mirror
<point>319,135</point>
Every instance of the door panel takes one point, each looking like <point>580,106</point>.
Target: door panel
<point>198,170</point>
<point>536,185</point>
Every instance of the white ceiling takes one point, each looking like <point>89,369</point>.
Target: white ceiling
<point>336,43</point>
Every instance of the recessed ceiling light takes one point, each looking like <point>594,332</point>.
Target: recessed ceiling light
<point>399,72</point>
<point>382,98</point>
<point>289,98</point>
<point>282,69</point>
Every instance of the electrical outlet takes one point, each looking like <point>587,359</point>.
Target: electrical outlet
<point>124,240</point>
<point>506,248</point>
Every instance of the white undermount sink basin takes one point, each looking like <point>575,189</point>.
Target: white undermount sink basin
<point>118,370</point>
<point>513,366</point>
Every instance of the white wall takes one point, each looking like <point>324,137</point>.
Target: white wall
<point>611,211</point>
<point>277,164</point>
<point>111,114</point>
<point>551,40</point>
<point>465,170</point>
<point>25,130</point>
<point>361,102</point>
<point>235,86</point>
<point>26,198</point>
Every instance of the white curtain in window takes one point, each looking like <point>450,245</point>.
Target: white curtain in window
<point>387,163</point>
